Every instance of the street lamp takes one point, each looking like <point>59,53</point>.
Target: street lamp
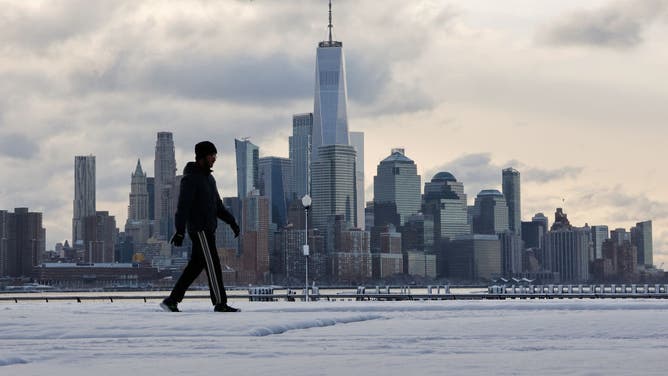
<point>306,201</point>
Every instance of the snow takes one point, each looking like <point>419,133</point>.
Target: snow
<point>555,337</point>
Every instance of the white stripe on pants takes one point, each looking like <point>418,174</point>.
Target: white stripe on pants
<point>213,278</point>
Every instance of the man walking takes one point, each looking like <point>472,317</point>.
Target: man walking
<point>198,210</point>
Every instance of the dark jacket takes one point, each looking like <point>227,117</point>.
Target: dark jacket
<point>199,204</point>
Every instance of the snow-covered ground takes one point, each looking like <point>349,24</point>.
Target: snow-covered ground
<point>558,337</point>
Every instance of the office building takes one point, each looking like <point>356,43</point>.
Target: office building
<point>599,234</point>
<point>330,109</point>
<point>248,167</point>
<point>100,235</point>
<point>357,142</point>
<point>300,153</point>
<point>474,258</point>
<point>490,212</point>
<point>445,201</point>
<point>512,194</point>
<point>567,252</point>
<point>641,237</point>
<point>397,182</point>
<point>333,185</point>
<point>22,242</point>
<point>84,195</point>
<point>164,191</point>
<point>276,184</point>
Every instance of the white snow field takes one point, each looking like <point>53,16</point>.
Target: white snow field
<point>533,337</point>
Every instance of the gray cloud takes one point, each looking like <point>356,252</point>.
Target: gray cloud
<point>39,27</point>
<point>539,175</point>
<point>18,146</point>
<point>622,206</point>
<point>619,25</point>
<point>478,171</point>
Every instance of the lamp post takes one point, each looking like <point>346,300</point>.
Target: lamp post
<point>306,201</point>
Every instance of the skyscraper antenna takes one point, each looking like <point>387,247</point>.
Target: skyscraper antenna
<point>330,26</point>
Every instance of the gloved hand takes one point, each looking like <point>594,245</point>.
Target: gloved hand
<point>177,239</point>
<point>235,228</point>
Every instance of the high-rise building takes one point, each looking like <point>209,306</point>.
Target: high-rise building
<point>357,141</point>
<point>641,237</point>
<point>276,184</point>
<point>445,201</point>
<point>567,253</point>
<point>100,235</point>
<point>255,236</point>
<point>330,110</point>
<point>512,194</point>
<point>300,153</point>
<point>248,167</point>
<point>417,233</point>
<point>22,242</point>
<point>333,185</point>
<point>599,234</point>
<point>138,207</point>
<point>474,258</point>
<point>490,213</point>
<point>164,195</point>
<point>511,253</point>
<point>138,224</point>
<point>541,218</point>
<point>84,195</point>
<point>397,181</point>
<point>150,188</point>
<point>5,228</point>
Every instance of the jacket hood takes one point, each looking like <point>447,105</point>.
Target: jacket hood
<point>193,168</point>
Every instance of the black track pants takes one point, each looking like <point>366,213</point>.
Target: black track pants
<point>204,256</point>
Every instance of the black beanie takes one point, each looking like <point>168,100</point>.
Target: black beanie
<point>204,148</point>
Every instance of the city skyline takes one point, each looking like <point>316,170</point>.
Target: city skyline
<point>540,122</point>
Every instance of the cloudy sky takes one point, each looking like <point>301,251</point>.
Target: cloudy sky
<point>572,94</point>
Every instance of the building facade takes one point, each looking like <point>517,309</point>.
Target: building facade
<point>164,195</point>
<point>333,185</point>
<point>276,183</point>
<point>446,202</point>
<point>357,142</point>
<point>330,108</point>
<point>490,212</point>
<point>22,242</point>
<point>511,191</point>
<point>641,237</point>
<point>300,153</point>
<point>84,195</point>
<point>397,181</point>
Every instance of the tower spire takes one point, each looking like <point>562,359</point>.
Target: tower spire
<point>330,26</point>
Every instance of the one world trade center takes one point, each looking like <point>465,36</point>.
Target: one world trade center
<point>330,110</point>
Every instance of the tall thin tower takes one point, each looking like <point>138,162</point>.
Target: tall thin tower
<point>330,110</point>
<point>138,208</point>
<point>84,194</point>
<point>165,173</point>
<point>511,192</point>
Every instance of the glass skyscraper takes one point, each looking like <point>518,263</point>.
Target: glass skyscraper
<point>330,110</point>
<point>248,156</point>
<point>357,141</point>
<point>397,181</point>
<point>490,213</point>
<point>333,186</point>
<point>300,153</point>
<point>165,173</point>
<point>446,201</point>
<point>84,195</point>
<point>511,191</point>
<point>276,184</point>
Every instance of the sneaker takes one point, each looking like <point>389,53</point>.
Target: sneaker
<point>169,305</point>
<point>225,308</point>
